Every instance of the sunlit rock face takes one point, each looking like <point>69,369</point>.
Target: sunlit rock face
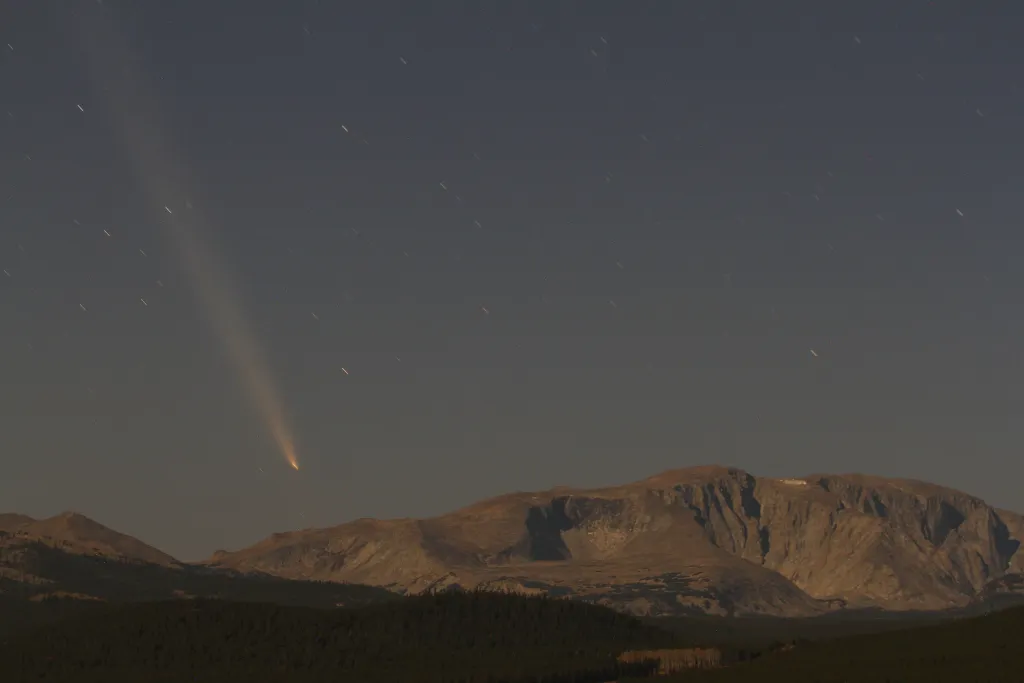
<point>710,539</point>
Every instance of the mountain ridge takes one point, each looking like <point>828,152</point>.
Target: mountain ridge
<point>77,534</point>
<point>68,563</point>
<point>712,539</point>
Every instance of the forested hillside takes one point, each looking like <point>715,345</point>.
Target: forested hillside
<point>460,637</point>
<point>428,639</point>
<point>979,650</point>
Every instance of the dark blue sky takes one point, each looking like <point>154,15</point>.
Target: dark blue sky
<point>663,208</point>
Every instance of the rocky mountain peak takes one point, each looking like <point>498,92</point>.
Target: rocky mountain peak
<point>714,539</point>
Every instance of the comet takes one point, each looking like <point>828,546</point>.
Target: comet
<point>163,178</point>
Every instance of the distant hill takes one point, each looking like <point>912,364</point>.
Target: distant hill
<point>710,540</point>
<point>53,568</point>
<point>36,572</point>
<point>77,534</point>
<point>428,639</point>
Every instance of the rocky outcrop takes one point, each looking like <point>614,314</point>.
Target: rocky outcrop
<point>709,539</point>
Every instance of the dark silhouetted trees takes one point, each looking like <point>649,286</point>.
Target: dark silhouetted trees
<point>465,637</point>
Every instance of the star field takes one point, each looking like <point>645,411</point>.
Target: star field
<point>505,246</point>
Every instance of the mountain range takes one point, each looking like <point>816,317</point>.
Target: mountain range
<point>712,540</point>
<point>72,557</point>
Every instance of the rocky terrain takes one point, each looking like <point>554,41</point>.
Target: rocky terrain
<point>709,539</point>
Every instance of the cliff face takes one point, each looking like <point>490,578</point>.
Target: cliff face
<point>893,544</point>
<point>709,539</point>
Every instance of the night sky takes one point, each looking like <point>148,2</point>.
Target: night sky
<point>495,246</point>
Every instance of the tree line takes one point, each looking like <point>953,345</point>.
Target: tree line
<point>444,638</point>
